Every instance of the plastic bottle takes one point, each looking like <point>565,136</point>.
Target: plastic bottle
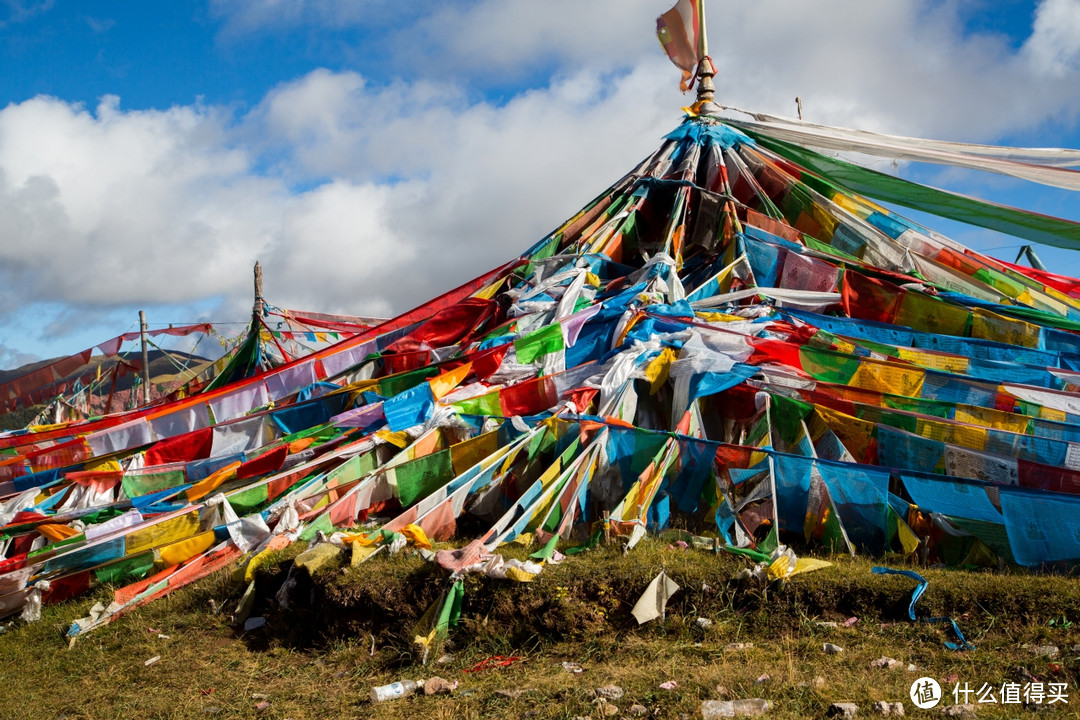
<point>750,707</point>
<point>393,691</point>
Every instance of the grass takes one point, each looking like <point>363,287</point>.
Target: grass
<point>316,660</point>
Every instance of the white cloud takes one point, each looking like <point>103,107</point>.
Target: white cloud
<point>1054,45</point>
<point>113,207</point>
<point>369,198</point>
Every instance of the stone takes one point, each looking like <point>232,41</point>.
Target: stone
<point>704,622</point>
<point>827,624</point>
<point>609,692</point>
<point>438,686</point>
<point>843,710</point>
<point>738,647</point>
<point>831,649</point>
<point>818,682</point>
<point>749,707</point>
<point>965,712</point>
<point>637,711</point>
<point>911,668</point>
<point>889,709</point>
<point>886,663</point>
<point>1046,651</point>
<point>763,678</point>
<point>606,709</point>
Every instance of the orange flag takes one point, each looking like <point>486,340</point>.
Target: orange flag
<point>682,34</point>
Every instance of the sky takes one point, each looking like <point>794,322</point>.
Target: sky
<point>372,154</point>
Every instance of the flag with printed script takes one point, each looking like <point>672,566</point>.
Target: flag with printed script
<point>653,602</point>
<point>682,34</point>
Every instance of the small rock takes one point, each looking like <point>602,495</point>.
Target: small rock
<point>443,659</point>
<point>637,711</point>
<point>827,624</point>
<point>573,668</point>
<point>886,663</point>
<point>722,692</point>
<point>738,647</point>
<point>831,649</point>
<point>843,710</point>
<point>911,668</point>
<point>262,706</point>
<point>1046,651</point>
<point>818,682</point>
<point>966,712</point>
<point>438,686</point>
<point>669,685</point>
<point>763,678</point>
<point>850,622</point>
<point>610,692</point>
<point>888,709</point>
<point>513,694</point>
<point>606,709</point>
<point>704,622</point>
<point>751,707</point>
<point>340,674</point>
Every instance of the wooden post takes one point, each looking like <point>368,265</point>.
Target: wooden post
<point>145,360</point>
<point>257,307</point>
<point>798,106</point>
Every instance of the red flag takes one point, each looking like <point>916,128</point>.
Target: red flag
<point>682,34</point>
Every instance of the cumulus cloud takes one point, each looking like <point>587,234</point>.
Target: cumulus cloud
<point>905,66</point>
<point>1054,45</point>
<point>110,207</point>
<point>370,197</point>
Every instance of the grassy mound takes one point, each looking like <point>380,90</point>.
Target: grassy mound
<point>350,628</point>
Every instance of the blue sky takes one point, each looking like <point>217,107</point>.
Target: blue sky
<point>373,153</point>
